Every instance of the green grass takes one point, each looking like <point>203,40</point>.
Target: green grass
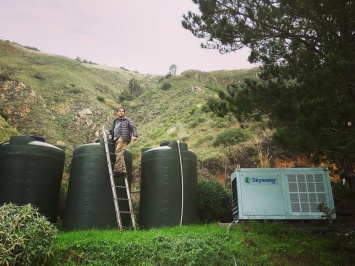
<point>247,244</point>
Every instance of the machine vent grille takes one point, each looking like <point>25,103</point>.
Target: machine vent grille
<point>306,192</point>
<point>235,198</point>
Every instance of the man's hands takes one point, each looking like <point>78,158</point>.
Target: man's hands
<point>134,138</point>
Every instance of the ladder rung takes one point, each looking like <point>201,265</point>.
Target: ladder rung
<point>124,212</point>
<point>119,187</point>
<point>121,199</point>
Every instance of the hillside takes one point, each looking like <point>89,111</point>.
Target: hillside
<point>68,102</point>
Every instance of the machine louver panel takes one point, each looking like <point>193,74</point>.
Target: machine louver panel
<point>306,192</point>
<point>235,198</point>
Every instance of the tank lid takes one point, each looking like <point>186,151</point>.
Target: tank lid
<point>165,143</point>
<point>27,140</point>
<point>158,149</point>
<point>178,145</point>
<point>88,144</point>
<point>44,144</point>
<point>37,137</point>
<point>20,140</point>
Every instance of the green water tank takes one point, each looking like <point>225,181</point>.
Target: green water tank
<point>89,201</point>
<point>168,186</point>
<point>31,172</point>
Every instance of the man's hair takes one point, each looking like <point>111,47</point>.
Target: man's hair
<point>124,109</point>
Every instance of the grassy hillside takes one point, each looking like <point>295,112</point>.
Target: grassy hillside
<point>68,102</point>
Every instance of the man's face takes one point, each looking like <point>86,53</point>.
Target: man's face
<point>120,113</point>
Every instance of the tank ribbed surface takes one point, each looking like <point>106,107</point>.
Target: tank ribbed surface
<point>31,172</point>
<point>165,199</point>
<point>89,201</point>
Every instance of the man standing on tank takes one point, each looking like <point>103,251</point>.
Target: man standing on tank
<point>123,131</point>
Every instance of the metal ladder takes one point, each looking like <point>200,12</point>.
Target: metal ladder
<point>114,187</point>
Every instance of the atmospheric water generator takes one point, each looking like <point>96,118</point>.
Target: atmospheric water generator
<point>280,193</point>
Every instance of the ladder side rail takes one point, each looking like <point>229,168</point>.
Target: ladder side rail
<point>113,186</point>
<point>130,203</point>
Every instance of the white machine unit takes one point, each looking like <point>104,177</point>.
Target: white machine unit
<point>280,193</point>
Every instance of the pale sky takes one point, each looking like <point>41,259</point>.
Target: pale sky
<point>139,35</point>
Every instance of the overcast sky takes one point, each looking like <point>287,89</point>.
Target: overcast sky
<point>139,35</point>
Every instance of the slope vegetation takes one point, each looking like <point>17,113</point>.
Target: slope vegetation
<point>68,102</point>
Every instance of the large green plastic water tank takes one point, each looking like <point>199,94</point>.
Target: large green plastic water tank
<point>89,201</point>
<point>168,195</point>
<point>31,172</point>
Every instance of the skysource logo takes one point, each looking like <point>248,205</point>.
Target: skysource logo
<point>249,180</point>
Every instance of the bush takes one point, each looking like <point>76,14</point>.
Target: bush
<point>31,48</point>
<point>100,99</point>
<point>26,237</point>
<point>4,77</point>
<point>3,115</point>
<point>125,96</point>
<point>214,202</point>
<point>231,136</point>
<point>166,86</point>
<point>75,91</point>
<point>205,108</point>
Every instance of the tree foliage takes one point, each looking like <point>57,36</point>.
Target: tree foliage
<point>134,88</point>
<point>172,70</point>
<point>307,83</point>
<point>125,95</point>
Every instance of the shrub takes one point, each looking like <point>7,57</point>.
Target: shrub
<point>231,136</point>
<point>166,86</point>
<point>125,96</point>
<point>75,91</point>
<point>3,115</point>
<point>204,139</point>
<point>26,236</point>
<point>217,106</point>
<point>39,76</point>
<point>221,123</point>
<point>100,98</point>
<point>205,108</point>
<point>195,121</point>
<point>31,48</point>
<point>214,202</point>
<point>213,88</point>
<point>4,76</point>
